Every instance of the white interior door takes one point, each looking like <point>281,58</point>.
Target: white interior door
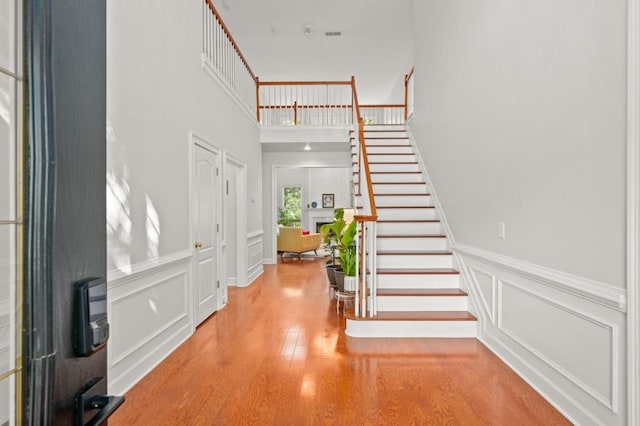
<point>205,232</point>
<point>231,223</point>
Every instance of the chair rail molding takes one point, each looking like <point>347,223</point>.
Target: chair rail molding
<point>633,210</point>
<point>117,277</point>
<point>594,291</point>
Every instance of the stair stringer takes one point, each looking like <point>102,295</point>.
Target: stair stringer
<point>467,282</point>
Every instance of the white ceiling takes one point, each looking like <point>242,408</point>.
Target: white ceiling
<point>375,45</point>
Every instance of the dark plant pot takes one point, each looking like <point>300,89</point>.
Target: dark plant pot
<point>331,269</point>
<point>340,279</point>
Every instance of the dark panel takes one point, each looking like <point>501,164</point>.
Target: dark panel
<point>79,236</point>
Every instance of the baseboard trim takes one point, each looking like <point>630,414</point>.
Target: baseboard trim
<point>254,274</point>
<point>594,291</point>
<point>155,357</point>
<point>526,377</point>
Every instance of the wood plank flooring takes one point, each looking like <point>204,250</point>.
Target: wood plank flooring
<point>278,355</point>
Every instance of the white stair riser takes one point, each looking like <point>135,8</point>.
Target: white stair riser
<point>372,142</point>
<point>422,303</point>
<point>396,177</point>
<point>411,243</point>
<point>406,214</point>
<point>408,167</point>
<point>380,188</point>
<point>408,228</point>
<point>397,281</point>
<point>415,261</point>
<point>390,150</point>
<point>395,134</point>
<point>403,200</point>
<point>452,329</point>
<point>397,127</point>
<point>389,158</point>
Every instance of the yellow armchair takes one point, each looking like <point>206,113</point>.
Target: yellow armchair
<point>291,240</point>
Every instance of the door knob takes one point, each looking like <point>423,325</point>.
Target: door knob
<point>198,244</point>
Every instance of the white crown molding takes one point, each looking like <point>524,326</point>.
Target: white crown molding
<point>633,210</point>
<point>594,291</point>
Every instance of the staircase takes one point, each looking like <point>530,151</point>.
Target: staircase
<point>419,291</point>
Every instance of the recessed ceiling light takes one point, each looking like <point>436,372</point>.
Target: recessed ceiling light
<point>307,29</point>
<point>307,147</point>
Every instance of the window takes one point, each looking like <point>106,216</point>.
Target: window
<point>290,214</point>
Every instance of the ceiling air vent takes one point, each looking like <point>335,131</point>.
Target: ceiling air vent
<point>333,33</point>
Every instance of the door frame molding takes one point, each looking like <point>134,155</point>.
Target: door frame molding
<point>194,140</point>
<point>241,222</point>
<point>275,187</point>
<point>633,210</point>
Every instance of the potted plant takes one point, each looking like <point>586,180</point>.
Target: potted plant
<point>341,237</point>
<point>348,253</point>
<point>330,240</point>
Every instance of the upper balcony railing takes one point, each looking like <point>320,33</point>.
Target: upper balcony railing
<point>292,103</point>
<point>222,56</point>
<point>306,103</point>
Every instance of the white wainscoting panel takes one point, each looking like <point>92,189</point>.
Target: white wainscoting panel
<point>254,247</point>
<point>150,313</point>
<point>487,291</point>
<point>584,349</point>
<point>563,334</point>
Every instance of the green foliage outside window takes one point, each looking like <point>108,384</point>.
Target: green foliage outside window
<point>291,212</point>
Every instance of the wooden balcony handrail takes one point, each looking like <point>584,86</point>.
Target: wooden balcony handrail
<point>231,39</point>
<point>304,83</point>
<point>303,106</point>
<point>407,77</point>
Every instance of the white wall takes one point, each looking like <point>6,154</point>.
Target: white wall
<point>157,95</point>
<point>274,160</point>
<point>520,114</point>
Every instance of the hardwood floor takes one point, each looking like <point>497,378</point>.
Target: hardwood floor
<point>278,355</point>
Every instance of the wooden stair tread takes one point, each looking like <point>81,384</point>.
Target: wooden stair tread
<point>401,194</point>
<point>412,236</point>
<point>413,252</point>
<point>382,131</point>
<point>417,271</point>
<point>395,173</point>
<point>415,316</point>
<point>405,207</point>
<point>455,292</point>
<point>398,183</point>
<point>408,220</point>
<point>387,146</point>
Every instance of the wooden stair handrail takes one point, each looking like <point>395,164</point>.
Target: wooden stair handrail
<point>365,160</point>
<point>231,39</point>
